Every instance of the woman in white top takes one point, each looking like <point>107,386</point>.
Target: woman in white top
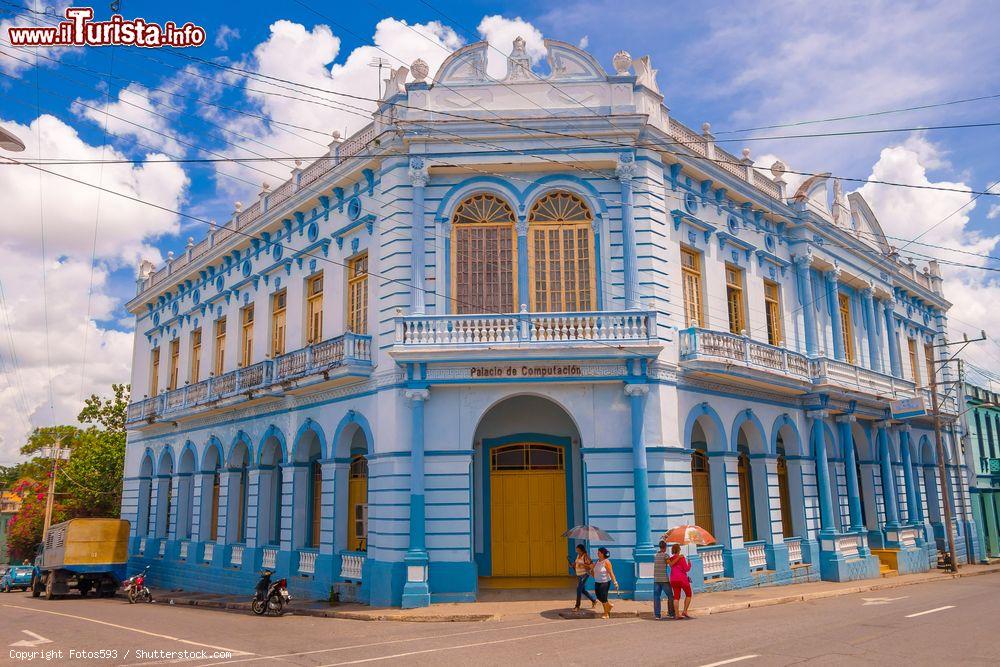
<point>604,576</point>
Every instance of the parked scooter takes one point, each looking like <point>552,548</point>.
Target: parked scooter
<point>135,588</point>
<point>268,597</point>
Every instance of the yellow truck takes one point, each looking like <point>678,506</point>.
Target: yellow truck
<point>82,555</point>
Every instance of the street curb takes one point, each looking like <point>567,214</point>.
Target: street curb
<point>875,585</point>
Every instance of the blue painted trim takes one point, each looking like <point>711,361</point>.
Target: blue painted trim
<point>167,451</point>
<point>706,410</point>
<point>273,431</point>
<point>352,417</point>
<point>748,417</point>
<point>310,425</point>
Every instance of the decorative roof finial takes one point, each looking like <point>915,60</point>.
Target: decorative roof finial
<point>622,62</point>
<point>419,69</point>
<point>518,62</point>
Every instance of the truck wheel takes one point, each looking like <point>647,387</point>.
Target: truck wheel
<point>50,585</point>
<point>36,587</point>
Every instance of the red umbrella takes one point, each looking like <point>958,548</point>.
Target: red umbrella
<point>688,534</point>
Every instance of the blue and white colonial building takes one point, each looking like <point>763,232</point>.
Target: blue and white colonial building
<point>507,307</point>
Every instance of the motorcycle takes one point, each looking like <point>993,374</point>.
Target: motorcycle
<point>268,597</point>
<point>135,588</point>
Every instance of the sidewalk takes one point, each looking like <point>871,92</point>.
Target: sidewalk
<point>558,603</point>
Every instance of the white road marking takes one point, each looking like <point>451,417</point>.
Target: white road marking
<point>872,601</point>
<point>590,628</point>
<point>125,627</point>
<point>402,640</point>
<point>732,660</point>
<point>930,611</point>
<point>38,639</point>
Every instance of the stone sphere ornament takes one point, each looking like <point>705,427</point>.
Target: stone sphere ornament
<point>778,168</point>
<point>419,69</point>
<point>622,62</point>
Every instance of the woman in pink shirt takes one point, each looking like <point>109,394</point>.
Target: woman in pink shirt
<point>679,581</point>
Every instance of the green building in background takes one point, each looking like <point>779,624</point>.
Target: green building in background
<point>982,451</point>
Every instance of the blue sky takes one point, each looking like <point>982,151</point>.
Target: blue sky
<point>737,65</point>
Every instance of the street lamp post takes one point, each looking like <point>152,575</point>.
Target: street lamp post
<point>9,142</point>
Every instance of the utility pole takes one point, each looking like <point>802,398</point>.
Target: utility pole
<point>55,453</point>
<point>939,444</point>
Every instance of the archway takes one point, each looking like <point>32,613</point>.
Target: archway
<point>211,466</point>
<point>869,477</point>
<point>561,254</point>
<point>308,494</point>
<point>527,461</point>
<point>144,509</point>
<point>185,492</point>
<point>237,493</point>
<point>788,446</point>
<point>351,451</point>
<point>269,489</point>
<point>752,475</point>
<point>164,493</point>
<point>706,437</point>
<point>484,246</point>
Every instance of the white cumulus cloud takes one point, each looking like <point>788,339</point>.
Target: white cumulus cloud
<point>48,327</point>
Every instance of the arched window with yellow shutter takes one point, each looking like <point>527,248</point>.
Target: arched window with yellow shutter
<point>484,255</point>
<point>561,254</point>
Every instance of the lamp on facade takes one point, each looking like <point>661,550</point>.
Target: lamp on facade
<point>10,142</point>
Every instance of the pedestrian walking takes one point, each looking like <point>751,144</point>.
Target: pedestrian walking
<point>582,566</point>
<point>661,582</point>
<point>604,576</point>
<point>679,581</point>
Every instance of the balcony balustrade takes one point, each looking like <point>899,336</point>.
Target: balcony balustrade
<point>712,563</point>
<point>720,351</point>
<point>438,331</point>
<point>307,561</point>
<point>794,545</point>
<point>351,565</point>
<point>349,349</point>
<point>269,559</point>
<point>757,554</point>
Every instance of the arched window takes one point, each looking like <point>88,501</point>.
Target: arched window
<point>784,497</point>
<point>357,505</point>
<point>701,485</point>
<point>484,243</point>
<point>746,497</point>
<point>561,254</point>
<point>315,500</point>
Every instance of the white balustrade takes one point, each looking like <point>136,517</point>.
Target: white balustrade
<point>142,546</point>
<point>236,557</point>
<point>307,562</point>
<point>757,554</point>
<point>182,552</point>
<point>794,551</point>
<point>162,550</point>
<point>351,564</point>
<point>849,545</point>
<point>908,537</point>
<point>525,327</point>
<point>209,551</point>
<point>712,565</point>
<point>270,558</point>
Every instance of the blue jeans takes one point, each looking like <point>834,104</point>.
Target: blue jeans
<point>581,589</point>
<point>662,587</point>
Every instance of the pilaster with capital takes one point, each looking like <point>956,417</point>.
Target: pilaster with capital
<point>909,480</point>
<point>419,177</point>
<point>832,281</point>
<point>416,591</point>
<point>892,339</point>
<point>643,554</point>
<point>817,439</point>
<point>874,349</point>
<point>523,289</point>
<point>625,171</point>
<point>802,261</point>
<point>885,473</point>
<point>845,424</point>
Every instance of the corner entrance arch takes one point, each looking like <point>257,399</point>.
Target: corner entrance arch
<point>526,464</point>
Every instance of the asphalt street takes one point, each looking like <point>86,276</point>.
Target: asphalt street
<point>949,622</point>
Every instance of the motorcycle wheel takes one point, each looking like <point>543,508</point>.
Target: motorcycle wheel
<point>146,595</point>
<point>275,603</point>
<point>258,606</point>
<point>131,597</point>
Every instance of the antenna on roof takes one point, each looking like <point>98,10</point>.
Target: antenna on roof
<point>380,63</point>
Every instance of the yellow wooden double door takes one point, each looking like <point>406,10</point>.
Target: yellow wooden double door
<point>527,520</point>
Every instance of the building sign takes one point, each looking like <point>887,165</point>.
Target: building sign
<point>908,408</point>
<point>515,371</point>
